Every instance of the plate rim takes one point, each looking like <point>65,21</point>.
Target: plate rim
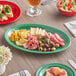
<point>19,12</point>
<point>45,65</point>
<point>38,52</point>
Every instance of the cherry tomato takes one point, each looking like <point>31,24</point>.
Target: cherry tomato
<point>70,0</point>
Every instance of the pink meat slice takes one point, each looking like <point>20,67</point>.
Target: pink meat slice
<point>58,37</point>
<point>32,42</point>
<point>54,39</point>
<point>63,73</point>
<point>62,44</point>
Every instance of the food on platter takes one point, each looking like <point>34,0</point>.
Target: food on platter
<point>67,5</point>
<point>37,38</point>
<point>37,31</point>
<point>21,42</point>
<point>56,71</point>
<point>19,34</point>
<point>8,11</point>
<point>1,8</point>
<point>3,17</point>
<point>5,12</point>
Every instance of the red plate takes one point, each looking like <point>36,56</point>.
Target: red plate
<point>15,10</point>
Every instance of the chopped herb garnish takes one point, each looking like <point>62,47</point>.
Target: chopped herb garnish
<point>73,3</point>
<point>7,9</point>
<point>64,6</point>
<point>1,15</point>
<point>64,0</point>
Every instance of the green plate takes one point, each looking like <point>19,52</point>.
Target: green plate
<point>42,70</point>
<point>47,28</point>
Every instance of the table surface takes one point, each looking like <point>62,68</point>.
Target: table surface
<point>23,60</point>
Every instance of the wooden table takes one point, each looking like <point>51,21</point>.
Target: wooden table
<point>23,60</point>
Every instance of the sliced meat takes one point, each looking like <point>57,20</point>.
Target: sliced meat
<point>58,37</point>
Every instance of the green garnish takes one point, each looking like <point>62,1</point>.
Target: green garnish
<point>64,7</point>
<point>73,3</point>
<point>8,9</point>
<point>0,8</point>
<point>1,15</point>
<point>64,0</point>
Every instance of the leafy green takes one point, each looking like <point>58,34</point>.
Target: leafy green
<point>0,7</point>
<point>64,7</point>
<point>73,3</point>
<point>64,0</point>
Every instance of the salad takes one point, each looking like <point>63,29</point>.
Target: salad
<point>37,38</point>
<point>56,71</point>
<point>67,5</point>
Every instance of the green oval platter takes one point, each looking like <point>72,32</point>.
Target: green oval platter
<point>53,30</point>
<point>42,71</point>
